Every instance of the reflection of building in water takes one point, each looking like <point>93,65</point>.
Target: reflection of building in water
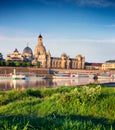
<point>45,59</point>
<point>19,84</point>
<point>29,83</point>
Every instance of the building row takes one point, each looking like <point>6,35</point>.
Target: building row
<point>44,58</point>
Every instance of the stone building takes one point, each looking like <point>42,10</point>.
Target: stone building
<point>93,66</point>
<point>27,54</point>
<point>40,54</point>
<point>62,62</point>
<point>15,56</point>
<point>45,59</point>
<point>109,65</point>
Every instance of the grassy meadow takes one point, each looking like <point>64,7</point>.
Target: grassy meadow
<point>89,107</point>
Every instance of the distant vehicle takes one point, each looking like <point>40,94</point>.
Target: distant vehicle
<point>18,76</point>
<point>86,76</point>
<point>105,76</point>
<point>65,75</point>
<point>68,75</point>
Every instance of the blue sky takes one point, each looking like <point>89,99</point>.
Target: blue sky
<point>73,27</point>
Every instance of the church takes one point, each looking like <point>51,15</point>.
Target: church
<point>45,59</point>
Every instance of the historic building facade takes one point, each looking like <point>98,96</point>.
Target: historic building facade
<point>63,62</point>
<point>15,56</point>
<point>45,59</point>
<point>26,56</point>
<point>109,65</point>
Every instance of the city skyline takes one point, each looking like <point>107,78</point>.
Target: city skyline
<point>67,26</point>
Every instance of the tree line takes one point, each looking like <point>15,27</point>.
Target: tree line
<point>18,64</point>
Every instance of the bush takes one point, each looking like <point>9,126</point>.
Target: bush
<point>35,93</point>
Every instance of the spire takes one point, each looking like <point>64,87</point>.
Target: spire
<point>40,40</point>
<point>15,50</point>
<point>27,44</point>
<point>40,36</point>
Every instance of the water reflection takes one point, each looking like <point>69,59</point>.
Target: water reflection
<point>43,83</point>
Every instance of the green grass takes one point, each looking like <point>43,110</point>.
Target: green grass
<point>89,107</point>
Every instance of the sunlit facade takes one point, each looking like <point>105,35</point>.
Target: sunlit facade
<point>109,65</point>
<point>62,62</point>
<point>45,59</point>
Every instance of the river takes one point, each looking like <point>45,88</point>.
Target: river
<point>9,84</point>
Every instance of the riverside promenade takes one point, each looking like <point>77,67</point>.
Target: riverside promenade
<point>25,70</point>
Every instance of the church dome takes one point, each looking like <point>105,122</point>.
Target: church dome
<point>27,50</point>
<point>40,50</point>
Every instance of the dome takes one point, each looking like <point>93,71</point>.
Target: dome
<point>27,50</point>
<point>40,50</point>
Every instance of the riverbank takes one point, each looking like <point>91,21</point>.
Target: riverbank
<point>8,70</point>
<point>76,108</point>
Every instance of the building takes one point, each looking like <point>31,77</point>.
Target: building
<point>109,65</point>
<point>27,54</point>
<point>15,56</point>
<point>45,59</point>
<point>93,66</point>
<point>40,54</point>
<point>62,62</point>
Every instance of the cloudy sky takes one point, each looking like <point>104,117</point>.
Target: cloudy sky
<point>73,27</point>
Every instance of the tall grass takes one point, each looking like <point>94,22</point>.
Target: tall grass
<point>67,108</point>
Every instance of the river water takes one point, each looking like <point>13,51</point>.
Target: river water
<point>9,84</point>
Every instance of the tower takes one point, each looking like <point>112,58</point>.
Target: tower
<point>40,42</point>
<point>40,53</point>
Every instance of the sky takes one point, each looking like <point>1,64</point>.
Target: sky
<point>74,27</point>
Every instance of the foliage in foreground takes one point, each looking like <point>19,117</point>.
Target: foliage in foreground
<point>67,108</point>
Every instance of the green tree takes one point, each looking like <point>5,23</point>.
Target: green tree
<point>1,63</point>
<point>1,56</point>
<point>23,64</point>
<point>28,64</point>
<point>7,63</point>
<point>12,63</point>
<point>17,63</point>
<point>38,64</point>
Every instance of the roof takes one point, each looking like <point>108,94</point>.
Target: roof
<point>16,50</point>
<point>93,64</point>
<point>27,50</point>
<point>110,61</point>
<point>40,36</point>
